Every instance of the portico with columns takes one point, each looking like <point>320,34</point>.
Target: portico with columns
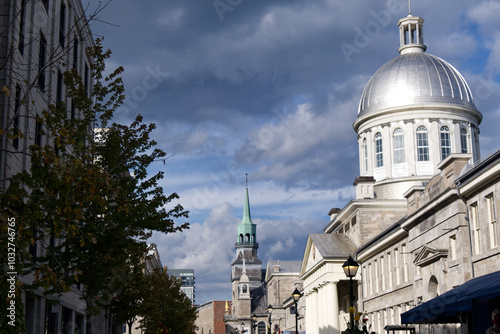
<point>326,287</point>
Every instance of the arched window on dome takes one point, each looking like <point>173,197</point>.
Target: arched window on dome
<point>422,144</point>
<point>399,146</point>
<point>365,154</point>
<point>463,140</point>
<point>445,142</point>
<point>379,158</point>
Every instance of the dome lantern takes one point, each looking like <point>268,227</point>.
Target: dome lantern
<point>411,36</point>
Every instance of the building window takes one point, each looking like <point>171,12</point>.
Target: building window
<point>396,265</point>
<point>73,110</point>
<point>405,263</point>
<point>445,142</point>
<point>492,219</point>
<point>370,278</point>
<point>382,271</point>
<point>365,149</point>
<point>59,90</point>
<point>463,140</point>
<point>399,146</point>
<point>86,79</point>
<point>422,144</point>
<point>38,131</point>
<point>390,269</point>
<point>379,158</point>
<point>364,282</point>
<point>75,52</point>
<point>453,247</point>
<point>41,62</point>
<point>353,221</point>
<point>62,25</point>
<point>17,104</point>
<point>476,230</point>
<point>21,26</point>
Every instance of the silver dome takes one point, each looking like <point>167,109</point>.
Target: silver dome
<point>415,78</point>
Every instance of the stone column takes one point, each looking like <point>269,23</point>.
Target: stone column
<point>456,138</point>
<point>410,146</point>
<point>434,143</point>
<point>322,310</point>
<point>387,149</point>
<point>332,307</point>
<point>312,312</point>
<point>370,151</point>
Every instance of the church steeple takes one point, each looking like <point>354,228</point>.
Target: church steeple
<point>247,230</point>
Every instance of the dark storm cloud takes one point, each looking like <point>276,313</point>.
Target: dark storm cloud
<point>271,88</point>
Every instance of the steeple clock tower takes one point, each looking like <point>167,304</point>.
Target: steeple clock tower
<point>246,269</point>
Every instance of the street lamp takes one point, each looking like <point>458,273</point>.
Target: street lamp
<point>350,268</point>
<point>270,312</point>
<point>242,327</point>
<point>254,323</point>
<point>296,296</point>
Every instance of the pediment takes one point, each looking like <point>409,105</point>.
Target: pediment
<point>326,247</point>
<point>428,255</point>
<point>312,256</point>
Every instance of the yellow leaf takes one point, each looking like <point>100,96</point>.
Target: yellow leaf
<point>6,90</point>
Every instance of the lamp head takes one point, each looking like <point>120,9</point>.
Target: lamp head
<point>350,267</point>
<point>296,295</point>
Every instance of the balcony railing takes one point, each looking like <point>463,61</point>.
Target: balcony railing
<point>247,243</point>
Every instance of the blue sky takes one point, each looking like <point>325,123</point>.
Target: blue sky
<point>271,88</point>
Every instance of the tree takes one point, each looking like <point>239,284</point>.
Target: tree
<point>79,199</point>
<point>126,303</point>
<point>165,308</point>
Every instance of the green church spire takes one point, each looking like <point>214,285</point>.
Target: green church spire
<point>247,219</point>
<point>247,230</point>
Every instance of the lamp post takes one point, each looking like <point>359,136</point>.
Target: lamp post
<point>296,296</point>
<point>242,327</point>
<point>254,323</point>
<point>350,268</point>
<point>270,312</point>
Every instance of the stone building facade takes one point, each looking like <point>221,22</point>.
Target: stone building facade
<point>282,278</point>
<point>210,317</point>
<point>424,219</point>
<point>39,41</point>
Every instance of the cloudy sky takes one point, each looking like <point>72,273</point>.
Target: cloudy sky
<point>271,88</point>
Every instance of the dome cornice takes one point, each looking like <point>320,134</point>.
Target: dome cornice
<point>418,111</point>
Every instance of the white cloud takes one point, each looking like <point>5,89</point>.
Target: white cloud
<point>485,14</point>
<point>171,19</point>
<point>493,65</point>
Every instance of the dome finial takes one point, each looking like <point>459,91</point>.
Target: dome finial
<point>409,7</point>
